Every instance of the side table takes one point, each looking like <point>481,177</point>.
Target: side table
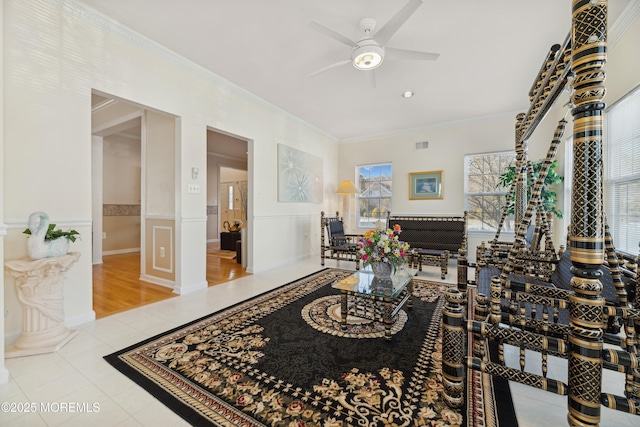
<point>228,240</point>
<point>40,288</point>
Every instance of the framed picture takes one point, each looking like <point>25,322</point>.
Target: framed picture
<point>425,185</point>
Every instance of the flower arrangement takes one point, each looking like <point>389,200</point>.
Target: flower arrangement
<point>383,246</point>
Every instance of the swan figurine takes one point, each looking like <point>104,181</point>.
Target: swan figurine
<point>37,246</point>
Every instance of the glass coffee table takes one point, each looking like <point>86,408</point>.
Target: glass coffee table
<point>363,295</point>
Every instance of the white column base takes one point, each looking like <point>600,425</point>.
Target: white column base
<point>34,345</point>
<point>40,290</point>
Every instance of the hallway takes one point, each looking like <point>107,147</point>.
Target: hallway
<point>117,286</point>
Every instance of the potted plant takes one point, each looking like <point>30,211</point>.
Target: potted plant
<point>45,240</point>
<point>547,195</point>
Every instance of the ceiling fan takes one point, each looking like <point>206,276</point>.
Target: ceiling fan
<point>369,52</point>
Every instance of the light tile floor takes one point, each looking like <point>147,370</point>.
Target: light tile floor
<point>78,374</point>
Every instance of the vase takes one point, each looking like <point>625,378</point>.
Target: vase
<point>38,249</point>
<point>382,270</point>
<point>37,246</point>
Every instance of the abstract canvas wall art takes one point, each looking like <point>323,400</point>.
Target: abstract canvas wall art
<point>299,176</point>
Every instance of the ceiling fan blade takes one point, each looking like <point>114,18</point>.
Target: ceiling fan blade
<point>394,54</point>
<point>332,33</point>
<point>385,33</point>
<point>330,67</point>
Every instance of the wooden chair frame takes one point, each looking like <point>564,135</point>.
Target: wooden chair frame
<point>343,247</point>
<point>579,60</point>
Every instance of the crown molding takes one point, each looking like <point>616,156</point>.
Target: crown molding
<point>104,104</point>
<point>622,24</point>
<point>431,127</point>
<point>227,157</point>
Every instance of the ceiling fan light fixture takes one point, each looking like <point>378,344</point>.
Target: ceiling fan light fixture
<point>367,57</point>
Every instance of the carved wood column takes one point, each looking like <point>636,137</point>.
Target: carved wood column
<point>453,348</point>
<point>588,56</point>
<point>521,172</point>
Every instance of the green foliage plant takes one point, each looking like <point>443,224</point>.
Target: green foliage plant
<point>53,234</point>
<point>547,195</point>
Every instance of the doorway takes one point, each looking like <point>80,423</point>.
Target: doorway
<point>123,261</point>
<point>233,197</point>
<point>133,252</point>
<point>116,176</point>
<point>227,191</point>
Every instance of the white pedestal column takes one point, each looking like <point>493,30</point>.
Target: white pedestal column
<point>40,288</point>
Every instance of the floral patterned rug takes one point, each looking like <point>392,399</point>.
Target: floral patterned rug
<point>281,359</point>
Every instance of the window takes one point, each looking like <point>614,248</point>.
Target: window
<point>622,177</point>
<point>484,197</point>
<point>374,184</point>
<point>231,197</point>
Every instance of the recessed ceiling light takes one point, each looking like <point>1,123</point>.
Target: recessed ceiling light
<point>407,94</point>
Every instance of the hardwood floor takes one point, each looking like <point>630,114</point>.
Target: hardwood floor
<point>117,286</point>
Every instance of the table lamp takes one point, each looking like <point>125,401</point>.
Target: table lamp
<point>346,189</point>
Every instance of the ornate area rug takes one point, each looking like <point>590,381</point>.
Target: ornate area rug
<point>282,359</point>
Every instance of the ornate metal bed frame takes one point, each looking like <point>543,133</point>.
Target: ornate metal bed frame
<point>577,63</point>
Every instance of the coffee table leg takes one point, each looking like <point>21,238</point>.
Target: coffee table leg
<point>343,309</point>
<point>410,290</point>
<point>388,320</point>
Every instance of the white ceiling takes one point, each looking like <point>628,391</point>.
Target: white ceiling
<point>490,52</point>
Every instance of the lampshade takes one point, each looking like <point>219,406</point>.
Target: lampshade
<point>347,187</point>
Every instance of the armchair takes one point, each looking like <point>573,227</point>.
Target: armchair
<point>335,243</point>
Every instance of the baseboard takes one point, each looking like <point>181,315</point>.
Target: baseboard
<point>181,290</point>
<point>11,338</point>
<point>88,316</point>
<point>283,264</point>
<point>158,281</point>
<point>121,251</point>
<point>4,375</point>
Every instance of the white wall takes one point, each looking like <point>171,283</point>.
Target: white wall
<point>55,54</point>
<point>623,60</point>
<point>121,170</point>
<point>159,141</point>
<point>4,373</point>
<point>448,144</point>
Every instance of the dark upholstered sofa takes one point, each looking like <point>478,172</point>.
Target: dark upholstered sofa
<point>433,239</point>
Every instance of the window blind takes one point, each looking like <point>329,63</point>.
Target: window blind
<point>623,172</point>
